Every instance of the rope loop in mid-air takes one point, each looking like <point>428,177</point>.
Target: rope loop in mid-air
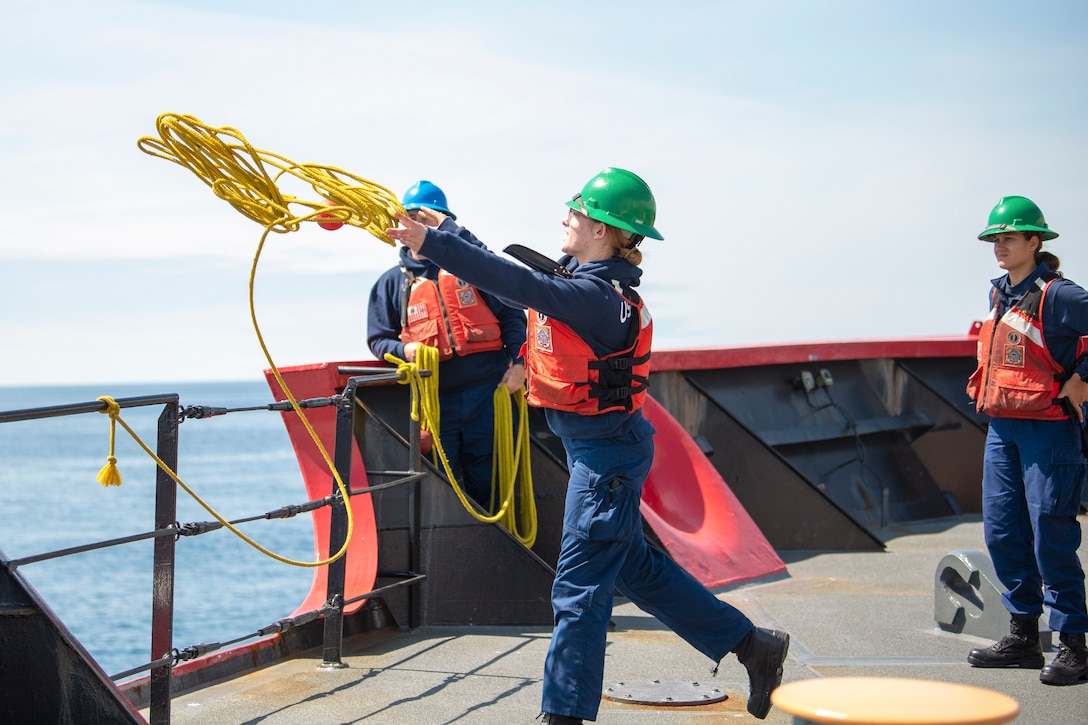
<point>239,173</point>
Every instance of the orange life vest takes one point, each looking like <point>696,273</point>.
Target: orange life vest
<point>1016,375</point>
<point>565,374</point>
<point>450,315</point>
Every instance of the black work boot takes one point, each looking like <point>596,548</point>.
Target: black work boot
<point>548,718</point>
<point>762,652</point>
<point>1019,648</point>
<point>1071,664</point>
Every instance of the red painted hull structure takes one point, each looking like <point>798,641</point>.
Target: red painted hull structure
<point>321,381</point>
<point>782,354</point>
<point>694,514</point>
<point>686,501</point>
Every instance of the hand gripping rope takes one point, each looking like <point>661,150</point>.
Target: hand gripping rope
<point>238,173</point>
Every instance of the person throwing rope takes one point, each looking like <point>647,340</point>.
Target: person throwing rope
<point>587,358</point>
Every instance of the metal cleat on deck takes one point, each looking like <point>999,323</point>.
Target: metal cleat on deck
<point>967,597</point>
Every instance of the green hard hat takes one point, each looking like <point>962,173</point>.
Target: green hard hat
<point>621,199</point>
<point>1017,214</point>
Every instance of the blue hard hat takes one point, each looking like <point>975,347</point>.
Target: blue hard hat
<point>426,194</point>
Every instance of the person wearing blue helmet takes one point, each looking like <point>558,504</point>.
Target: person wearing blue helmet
<point>478,338</point>
<point>1031,381</point>
<point>587,357</point>
<point>425,195</point>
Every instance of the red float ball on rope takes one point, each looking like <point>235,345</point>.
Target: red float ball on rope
<point>330,226</point>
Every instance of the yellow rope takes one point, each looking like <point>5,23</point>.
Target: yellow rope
<point>425,409</point>
<point>109,475</point>
<point>305,422</point>
<point>112,408</point>
<point>236,171</point>
<point>427,358</point>
<point>509,462</point>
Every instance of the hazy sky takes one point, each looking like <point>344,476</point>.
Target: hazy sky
<point>821,168</point>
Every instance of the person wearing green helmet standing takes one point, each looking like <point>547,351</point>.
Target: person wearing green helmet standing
<point>1030,380</point>
<point>587,359</point>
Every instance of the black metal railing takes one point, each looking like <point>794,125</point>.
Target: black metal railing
<point>167,531</point>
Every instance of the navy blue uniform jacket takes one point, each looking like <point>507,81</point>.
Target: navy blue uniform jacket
<point>459,372</point>
<point>587,303</point>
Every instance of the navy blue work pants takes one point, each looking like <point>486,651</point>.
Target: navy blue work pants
<point>1033,480</point>
<point>603,550</point>
<point>467,429</point>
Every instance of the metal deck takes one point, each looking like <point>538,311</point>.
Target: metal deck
<point>848,614</point>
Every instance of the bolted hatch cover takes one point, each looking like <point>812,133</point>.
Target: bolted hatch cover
<point>656,692</point>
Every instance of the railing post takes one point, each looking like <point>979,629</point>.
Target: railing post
<point>415,545</point>
<point>338,530</point>
<point>162,606</point>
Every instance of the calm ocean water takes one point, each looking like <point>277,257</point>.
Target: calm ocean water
<point>242,464</point>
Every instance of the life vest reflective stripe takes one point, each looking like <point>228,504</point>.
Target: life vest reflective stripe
<point>449,315</point>
<point>565,374</point>
<point>1016,375</point>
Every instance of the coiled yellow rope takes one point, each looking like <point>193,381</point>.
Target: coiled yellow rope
<point>236,172</point>
<point>511,461</point>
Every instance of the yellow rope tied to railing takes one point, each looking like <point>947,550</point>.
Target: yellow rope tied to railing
<point>236,172</point>
<point>109,475</point>
<point>113,409</point>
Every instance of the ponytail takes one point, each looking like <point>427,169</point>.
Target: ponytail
<point>1050,260</point>
<point>622,247</point>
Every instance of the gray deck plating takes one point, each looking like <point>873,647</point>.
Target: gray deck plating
<point>848,614</point>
